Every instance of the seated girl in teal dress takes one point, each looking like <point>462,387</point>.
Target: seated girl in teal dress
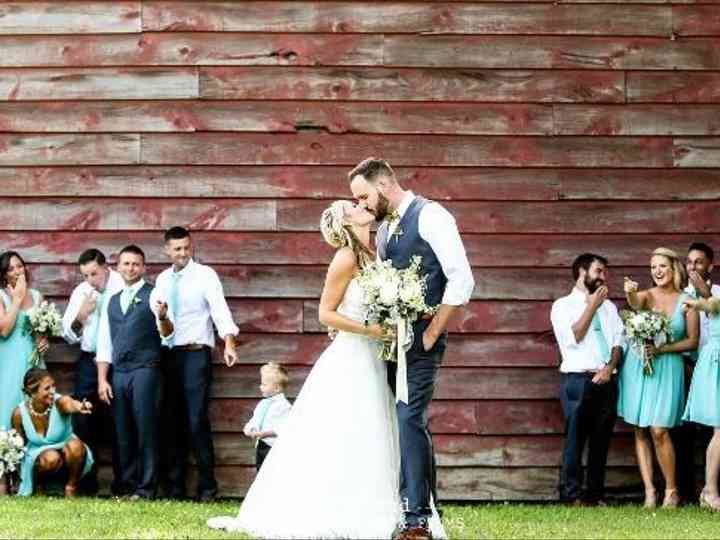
<point>44,421</point>
<point>16,343</point>
<point>703,404</point>
<point>654,403</point>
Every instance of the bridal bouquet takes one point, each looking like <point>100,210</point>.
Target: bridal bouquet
<point>395,298</point>
<point>43,320</point>
<point>643,327</point>
<point>12,450</point>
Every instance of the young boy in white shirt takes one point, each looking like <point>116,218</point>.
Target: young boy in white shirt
<point>271,412</point>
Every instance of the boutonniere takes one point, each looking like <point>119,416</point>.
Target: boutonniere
<point>136,300</point>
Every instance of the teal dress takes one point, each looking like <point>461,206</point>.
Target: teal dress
<point>703,405</point>
<point>15,352</point>
<point>655,400</point>
<point>59,432</point>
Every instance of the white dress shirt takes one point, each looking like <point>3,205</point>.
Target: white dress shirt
<point>585,355</point>
<point>202,303</point>
<point>269,415</point>
<point>704,321</point>
<point>438,228</point>
<point>104,343</point>
<point>114,285</point>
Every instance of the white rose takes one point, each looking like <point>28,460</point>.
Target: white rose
<point>411,292</point>
<point>389,293</point>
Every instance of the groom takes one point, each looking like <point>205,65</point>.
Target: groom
<point>413,226</point>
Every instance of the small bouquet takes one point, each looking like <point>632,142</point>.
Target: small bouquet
<point>43,320</point>
<point>644,327</point>
<point>12,450</point>
<point>394,297</point>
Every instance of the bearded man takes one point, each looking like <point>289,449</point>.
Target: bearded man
<point>588,331</point>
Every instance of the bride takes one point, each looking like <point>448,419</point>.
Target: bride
<point>334,470</point>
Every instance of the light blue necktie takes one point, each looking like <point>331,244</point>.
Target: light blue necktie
<point>174,302</point>
<point>602,342</point>
<point>125,299</point>
<point>93,336</point>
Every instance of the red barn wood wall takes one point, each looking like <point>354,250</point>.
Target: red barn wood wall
<point>547,128</point>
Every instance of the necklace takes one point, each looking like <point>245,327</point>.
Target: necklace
<point>35,413</point>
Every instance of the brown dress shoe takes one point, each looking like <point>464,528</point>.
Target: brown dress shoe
<point>414,533</point>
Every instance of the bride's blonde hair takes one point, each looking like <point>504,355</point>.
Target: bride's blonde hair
<point>679,275</point>
<point>339,233</point>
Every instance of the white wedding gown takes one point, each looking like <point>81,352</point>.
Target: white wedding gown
<point>333,471</point>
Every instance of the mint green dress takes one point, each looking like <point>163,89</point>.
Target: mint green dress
<point>655,400</point>
<point>703,404</point>
<point>15,352</point>
<point>59,432</point>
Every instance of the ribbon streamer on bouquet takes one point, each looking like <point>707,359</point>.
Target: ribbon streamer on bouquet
<point>404,341</point>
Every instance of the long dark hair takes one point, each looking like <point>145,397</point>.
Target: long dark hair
<point>5,259</point>
<point>32,380</point>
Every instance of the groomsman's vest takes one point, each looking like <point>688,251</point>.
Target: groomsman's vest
<point>135,337</point>
<point>401,248</point>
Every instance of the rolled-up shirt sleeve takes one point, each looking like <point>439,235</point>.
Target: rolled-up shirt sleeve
<point>219,310</point>
<point>104,342</point>
<point>71,312</point>
<point>562,323</point>
<point>439,229</point>
<point>158,294</point>
<point>618,328</point>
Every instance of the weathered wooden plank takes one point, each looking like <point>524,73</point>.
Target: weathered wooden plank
<point>701,20</point>
<point>289,117</point>
<point>463,350</point>
<point>137,214</point>
<point>560,250</point>
<point>517,451</point>
<point>405,17</point>
<point>698,152</point>
<point>60,149</point>
<point>475,317</point>
<point>546,52</point>
<point>674,87</point>
<point>98,83</point>
<point>637,120</point>
<point>519,484</point>
<point>383,84</point>
<point>261,281</point>
<point>417,150</point>
<point>542,217</point>
<point>327,182</point>
<point>232,248</point>
<point>192,49</point>
<point>509,250</point>
<point>70,17</point>
<point>453,383</point>
<point>275,316</point>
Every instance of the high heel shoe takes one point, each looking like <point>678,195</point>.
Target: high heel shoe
<point>711,503</point>
<point>672,499</point>
<point>650,499</point>
<point>704,502</point>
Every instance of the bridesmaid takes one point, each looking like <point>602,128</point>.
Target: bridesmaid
<point>703,405</point>
<point>16,343</point>
<point>44,423</point>
<point>654,403</point>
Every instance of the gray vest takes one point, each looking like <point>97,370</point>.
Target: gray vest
<point>135,337</point>
<point>401,248</point>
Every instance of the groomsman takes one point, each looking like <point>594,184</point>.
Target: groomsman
<point>699,265</point>
<point>81,323</point>
<point>189,300</point>
<point>128,340</point>
<point>588,330</point>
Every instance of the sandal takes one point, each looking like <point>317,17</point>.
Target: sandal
<point>672,499</point>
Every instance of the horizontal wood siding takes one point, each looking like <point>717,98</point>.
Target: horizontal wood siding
<point>547,128</point>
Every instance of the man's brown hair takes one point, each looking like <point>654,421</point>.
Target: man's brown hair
<point>371,169</point>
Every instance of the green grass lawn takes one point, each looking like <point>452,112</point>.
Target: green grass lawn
<point>42,517</point>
